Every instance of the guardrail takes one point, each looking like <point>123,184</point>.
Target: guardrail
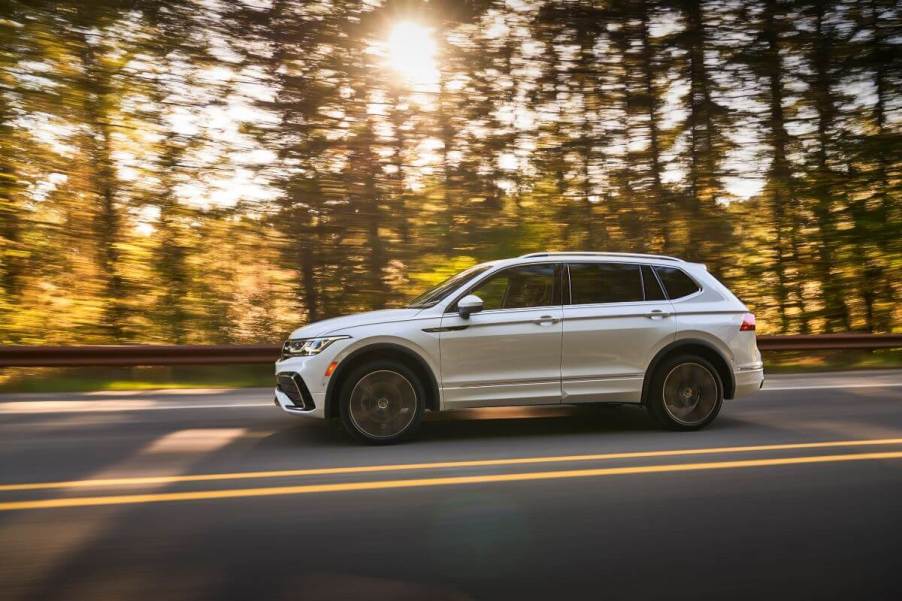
<point>137,354</point>
<point>823,342</point>
<point>150,354</point>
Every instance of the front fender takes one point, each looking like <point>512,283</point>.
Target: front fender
<point>423,350</point>
<point>419,348</point>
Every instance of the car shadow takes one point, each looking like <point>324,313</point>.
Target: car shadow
<point>546,421</point>
<point>558,421</point>
<point>533,421</point>
<point>488,423</point>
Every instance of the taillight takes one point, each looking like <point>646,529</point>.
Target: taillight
<point>748,323</point>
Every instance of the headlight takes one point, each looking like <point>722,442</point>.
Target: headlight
<point>304,347</point>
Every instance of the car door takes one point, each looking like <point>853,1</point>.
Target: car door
<point>510,352</point>
<point>616,318</point>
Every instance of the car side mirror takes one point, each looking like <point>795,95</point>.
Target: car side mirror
<point>468,305</point>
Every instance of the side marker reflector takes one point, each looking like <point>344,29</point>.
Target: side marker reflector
<point>331,368</point>
<point>748,323</point>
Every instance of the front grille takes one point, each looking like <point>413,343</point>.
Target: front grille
<point>292,385</point>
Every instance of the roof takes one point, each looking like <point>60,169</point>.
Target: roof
<point>600,254</point>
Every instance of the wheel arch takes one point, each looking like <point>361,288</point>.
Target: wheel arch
<point>382,350</point>
<point>698,347</point>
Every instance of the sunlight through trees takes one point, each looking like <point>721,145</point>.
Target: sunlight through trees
<point>214,171</point>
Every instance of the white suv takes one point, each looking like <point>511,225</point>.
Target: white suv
<point>544,328</point>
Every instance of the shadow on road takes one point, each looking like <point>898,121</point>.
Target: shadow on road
<point>495,423</point>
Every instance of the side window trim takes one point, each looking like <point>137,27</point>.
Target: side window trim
<point>569,299</point>
<point>556,291</point>
<point>642,280</point>
<point>660,283</point>
<point>518,309</point>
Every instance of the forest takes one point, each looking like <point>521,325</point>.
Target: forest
<point>222,171</point>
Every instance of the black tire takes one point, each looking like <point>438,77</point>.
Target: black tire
<point>693,391</point>
<point>382,402</point>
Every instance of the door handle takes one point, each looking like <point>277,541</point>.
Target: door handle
<point>657,314</point>
<point>546,320</point>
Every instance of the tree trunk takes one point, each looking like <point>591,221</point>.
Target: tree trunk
<point>106,224</point>
<point>11,263</point>
<point>783,197</point>
<point>835,310</point>
<point>658,199</point>
<point>701,152</point>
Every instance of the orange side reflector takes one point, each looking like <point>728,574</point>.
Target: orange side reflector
<point>331,368</point>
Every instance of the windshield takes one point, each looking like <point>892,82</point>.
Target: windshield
<point>436,294</point>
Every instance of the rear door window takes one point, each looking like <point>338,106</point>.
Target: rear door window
<point>676,282</point>
<point>592,283</point>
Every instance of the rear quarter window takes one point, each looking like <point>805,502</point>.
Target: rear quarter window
<point>676,282</point>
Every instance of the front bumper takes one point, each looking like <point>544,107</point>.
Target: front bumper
<point>285,404</point>
<point>748,381</point>
<point>312,383</point>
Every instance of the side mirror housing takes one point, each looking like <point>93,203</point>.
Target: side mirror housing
<point>468,305</point>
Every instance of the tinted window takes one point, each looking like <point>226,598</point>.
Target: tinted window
<point>518,287</point>
<point>653,290</point>
<point>677,283</point>
<point>604,283</point>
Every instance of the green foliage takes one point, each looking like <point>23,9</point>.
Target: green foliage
<point>196,172</point>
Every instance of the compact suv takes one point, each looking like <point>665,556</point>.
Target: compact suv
<point>544,328</point>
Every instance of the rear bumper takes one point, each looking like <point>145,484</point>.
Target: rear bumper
<point>748,381</point>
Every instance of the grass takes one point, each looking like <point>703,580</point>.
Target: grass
<point>837,360</point>
<point>82,379</point>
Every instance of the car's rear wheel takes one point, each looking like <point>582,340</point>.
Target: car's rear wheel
<point>686,393</point>
<point>382,402</point>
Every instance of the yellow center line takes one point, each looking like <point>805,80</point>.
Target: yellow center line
<point>424,482</point>
<point>438,465</point>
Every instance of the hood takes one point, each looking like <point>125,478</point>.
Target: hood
<point>329,326</point>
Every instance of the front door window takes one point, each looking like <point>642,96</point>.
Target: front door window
<point>519,288</point>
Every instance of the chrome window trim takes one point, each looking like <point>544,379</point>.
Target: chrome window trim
<point>687,297</point>
<point>565,266</point>
<point>517,309</point>
<point>642,283</point>
<point>660,283</point>
<point>599,312</point>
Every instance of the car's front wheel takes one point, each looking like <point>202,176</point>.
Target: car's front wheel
<point>686,393</point>
<point>382,402</point>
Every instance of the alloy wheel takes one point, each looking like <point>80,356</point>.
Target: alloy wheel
<point>383,404</point>
<point>690,393</point>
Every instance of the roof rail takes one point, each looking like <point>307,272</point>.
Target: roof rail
<point>600,254</point>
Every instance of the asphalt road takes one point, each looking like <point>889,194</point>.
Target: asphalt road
<point>795,493</point>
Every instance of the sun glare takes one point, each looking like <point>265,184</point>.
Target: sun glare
<point>411,52</point>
